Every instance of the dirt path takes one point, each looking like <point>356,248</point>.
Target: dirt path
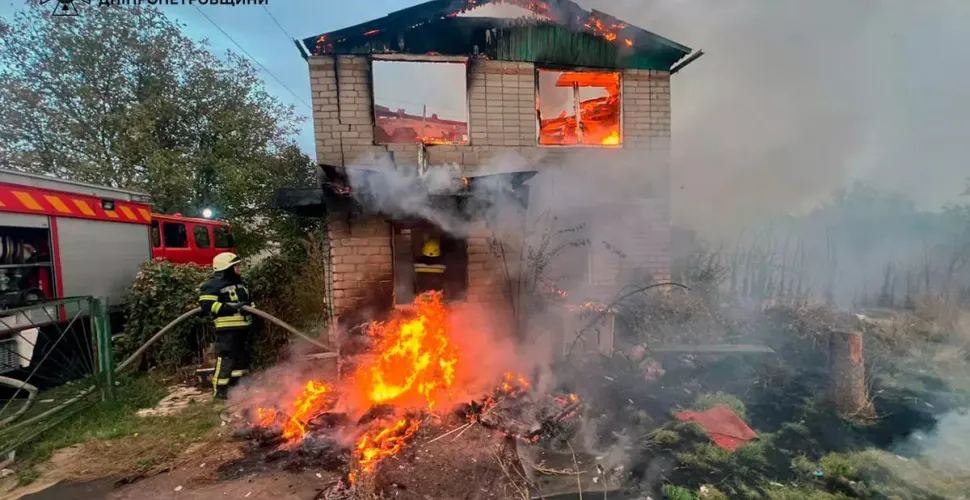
<point>163,487</point>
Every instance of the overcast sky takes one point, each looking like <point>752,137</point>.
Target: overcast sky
<point>793,98</point>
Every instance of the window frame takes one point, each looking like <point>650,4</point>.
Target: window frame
<point>423,59</point>
<point>566,69</point>
<point>231,242</point>
<point>184,235</point>
<point>156,234</point>
<point>453,291</point>
<point>195,236</point>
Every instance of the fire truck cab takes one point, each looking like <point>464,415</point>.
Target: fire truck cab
<point>65,239</point>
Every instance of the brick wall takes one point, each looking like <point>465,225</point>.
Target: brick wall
<point>484,279</point>
<point>502,117</point>
<point>360,253</point>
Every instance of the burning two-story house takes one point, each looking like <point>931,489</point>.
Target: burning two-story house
<point>459,82</point>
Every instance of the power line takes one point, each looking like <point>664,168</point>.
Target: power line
<point>253,59</point>
<point>278,25</point>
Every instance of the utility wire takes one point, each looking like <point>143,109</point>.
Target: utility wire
<point>278,25</point>
<point>253,59</point>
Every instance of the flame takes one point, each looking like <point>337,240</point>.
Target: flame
<point>514,385</point>
<point>267,416</point>
<point>305,407</point>
<point>600,117</point>
<point>372,448</point>
<point>612,140</point>
<point>415,360</point>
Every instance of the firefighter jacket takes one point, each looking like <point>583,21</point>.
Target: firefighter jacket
<point>217,296</point>
<point>432,265</point>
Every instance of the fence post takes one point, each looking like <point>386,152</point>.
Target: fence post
<point>102,329</point>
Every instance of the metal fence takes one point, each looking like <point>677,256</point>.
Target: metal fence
<point>55,357</point>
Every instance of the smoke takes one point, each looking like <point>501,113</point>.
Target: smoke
<point>795,99</point>
<point>939,448</point>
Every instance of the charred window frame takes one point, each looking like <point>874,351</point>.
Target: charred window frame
<point>406,246</point>
<point>587,131</point>
<point>451,129</point>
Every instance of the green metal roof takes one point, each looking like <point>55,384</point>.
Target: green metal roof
<point>575,37</point>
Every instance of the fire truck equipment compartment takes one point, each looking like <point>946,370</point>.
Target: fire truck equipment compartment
<point>122,248</point>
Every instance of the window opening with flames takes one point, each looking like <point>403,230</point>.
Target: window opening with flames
<point>579,108</point>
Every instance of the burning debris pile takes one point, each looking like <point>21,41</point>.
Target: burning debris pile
<point>405,383</point>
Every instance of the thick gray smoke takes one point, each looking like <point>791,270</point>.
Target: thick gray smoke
<point>794,99</point>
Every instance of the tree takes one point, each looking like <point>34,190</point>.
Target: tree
<point>119,96</point>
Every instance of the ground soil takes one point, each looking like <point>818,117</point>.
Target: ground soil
<point>75,473</point>
<point>433,470</point>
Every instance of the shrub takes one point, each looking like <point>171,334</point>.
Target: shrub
<point>708,401</point>
<point>672,492</point>
<point>161,292</point>
<point>289,285</point>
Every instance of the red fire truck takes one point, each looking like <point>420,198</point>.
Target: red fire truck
<point>64,239</point>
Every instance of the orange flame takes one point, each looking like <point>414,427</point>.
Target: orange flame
<point>389,441</point>
<point>415,358</point>
<point>514,385</point>
<point>613,139</point>
<point>306,406</point>
<point>266,416</point>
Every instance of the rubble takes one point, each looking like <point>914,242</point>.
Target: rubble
<point>178,399</point>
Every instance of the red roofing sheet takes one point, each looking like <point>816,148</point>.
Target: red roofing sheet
<point>722,425</point>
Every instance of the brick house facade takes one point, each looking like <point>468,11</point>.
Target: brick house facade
<point>502,117</point>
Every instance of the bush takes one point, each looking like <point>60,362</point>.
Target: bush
<point>162,291</point>
<point>709,400</point>
<point>673,492</point>
<point>290,285</point>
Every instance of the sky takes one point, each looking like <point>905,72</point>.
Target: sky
<point>791,100</point>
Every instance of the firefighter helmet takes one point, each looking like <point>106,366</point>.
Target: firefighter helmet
<point>431,248</point>
<point>224,261</point>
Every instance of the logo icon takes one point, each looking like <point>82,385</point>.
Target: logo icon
<point>65,8</point>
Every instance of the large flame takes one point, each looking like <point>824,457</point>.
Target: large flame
<point>413,368</point>
<point>415,360</point>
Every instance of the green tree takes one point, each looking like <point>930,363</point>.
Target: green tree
<point>119,96</point>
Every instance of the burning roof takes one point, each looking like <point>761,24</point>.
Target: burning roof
<point>440,27</point>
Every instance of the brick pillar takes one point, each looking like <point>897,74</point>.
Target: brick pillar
<point>848,373</point>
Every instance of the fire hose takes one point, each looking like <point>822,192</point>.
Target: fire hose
<point>131,359</point>
<point>19,385</point>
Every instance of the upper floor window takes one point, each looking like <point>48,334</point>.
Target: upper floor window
<point>409,111</point>
<point>579,108</point>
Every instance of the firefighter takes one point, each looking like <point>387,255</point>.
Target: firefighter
<point>429,270</point>
<point>222,299</point>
